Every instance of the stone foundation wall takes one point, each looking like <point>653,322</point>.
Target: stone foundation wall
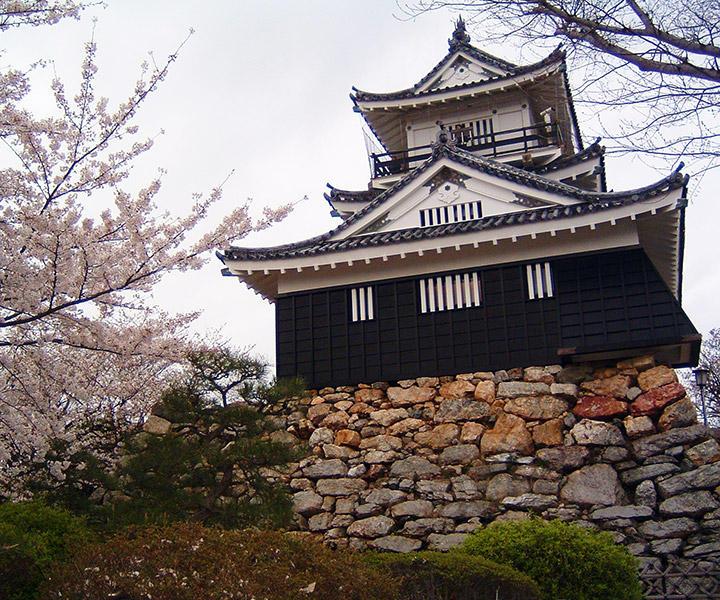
<point>421,463</point>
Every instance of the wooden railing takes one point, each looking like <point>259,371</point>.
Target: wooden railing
<point>497,143</point>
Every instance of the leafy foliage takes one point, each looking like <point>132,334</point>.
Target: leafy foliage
<point>564,559</point>
<point>215,462</point>
<point>189,561</point>
<point>33,537</point>
<point>454,576</point>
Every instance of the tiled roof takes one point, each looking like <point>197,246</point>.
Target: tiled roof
<point>593,150</point>
<point>338,195</point>
<point>588,202</point>
<point>361,96</point>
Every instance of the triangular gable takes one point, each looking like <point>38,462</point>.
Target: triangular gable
<point>462,69</point>
<point>449,191</point>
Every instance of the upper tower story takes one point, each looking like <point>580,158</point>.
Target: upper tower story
<point>519,115</point>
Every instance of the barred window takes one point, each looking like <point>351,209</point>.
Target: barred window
<point>454,213</point>
<point>362,304</point>
<point>448,292</point>
<point>539,280</point>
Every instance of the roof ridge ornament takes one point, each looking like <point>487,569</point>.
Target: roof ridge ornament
<point>460,36</point>
<point>444,140</point>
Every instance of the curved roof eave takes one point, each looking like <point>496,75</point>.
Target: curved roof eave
<point>587,202</point>
<point>360,96</point>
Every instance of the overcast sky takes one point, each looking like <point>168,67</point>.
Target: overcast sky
<point>261,90</point>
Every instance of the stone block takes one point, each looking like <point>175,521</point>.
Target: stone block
<point>597,433</point>
<point>704,453</point>
<point>320,522</point>
<point>592,485</point>
<point>471,432</point>
<point>616,386</point>
<point>457,389</point>
<point>384,443</point>
<point>405,426</point>
<point>680,414</point>
<point>508,435</point>
<point>395,543</point>
<point>462,409</point>
<point>646,494</point>
<point>414,467</point>
<point>157,425</point>
<point>464,488</point>
<point>461,454</point>
<point>672,528</point>
<point>517,389</point>
<point>629,511</point>
<point>639,363</point>
<point>656,377</point>
<point>638,426</point>
<point>691,504</point>
<point>326,469</point>
<point>412,508</point>
<point>704,477</point>
<point>549,433</point>
<point>439,437</point>
<point>321,436</point>
<point>633,476</point>
<point>660,442</point>
<point>400,397</point>
<point>370,396</point>
<point>656,399</point>
<point>318,412</point>
<point>434,490</point>
<point>347,437</point>
<point>339,487</point>
<point>424,527</point>
<point>307,503</point>
<point>530,502</point>
<point>575,374</point>
<point>567,391</point>
<point>485,392</point>
<point>600,408</point>
<point>564,458</point>
<point>534,408</point>
<point>503,485</point>
<point>460,511</point>
<point>389,416</point>
<point>372,527</point>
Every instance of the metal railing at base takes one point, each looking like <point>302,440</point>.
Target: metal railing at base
<point>681,579</point>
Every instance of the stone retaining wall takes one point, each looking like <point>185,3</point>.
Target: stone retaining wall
<point>420,463</point>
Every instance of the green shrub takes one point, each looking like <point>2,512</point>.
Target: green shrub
<point>33,537</point>
<point>567,561</point>
<point>456,576</point>
<point>189,561</point>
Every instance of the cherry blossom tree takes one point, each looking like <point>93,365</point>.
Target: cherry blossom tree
<point>80,252</point>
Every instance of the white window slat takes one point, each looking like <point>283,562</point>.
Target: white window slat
<point>549,292</point>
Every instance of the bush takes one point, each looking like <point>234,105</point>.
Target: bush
<point>33,537</point>
<point>456,576</point>
<point>565,560</point>
<point>189,561</point>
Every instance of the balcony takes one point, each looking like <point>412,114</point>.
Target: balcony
<point>491,144</point>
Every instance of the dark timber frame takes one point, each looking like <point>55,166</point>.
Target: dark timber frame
<point>603,300</point>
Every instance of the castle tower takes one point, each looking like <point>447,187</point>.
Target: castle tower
<point>486,239</point>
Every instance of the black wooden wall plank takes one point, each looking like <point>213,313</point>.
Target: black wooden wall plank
<point>600,299</point>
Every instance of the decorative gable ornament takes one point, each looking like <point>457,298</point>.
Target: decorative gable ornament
<point>486,239</point>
